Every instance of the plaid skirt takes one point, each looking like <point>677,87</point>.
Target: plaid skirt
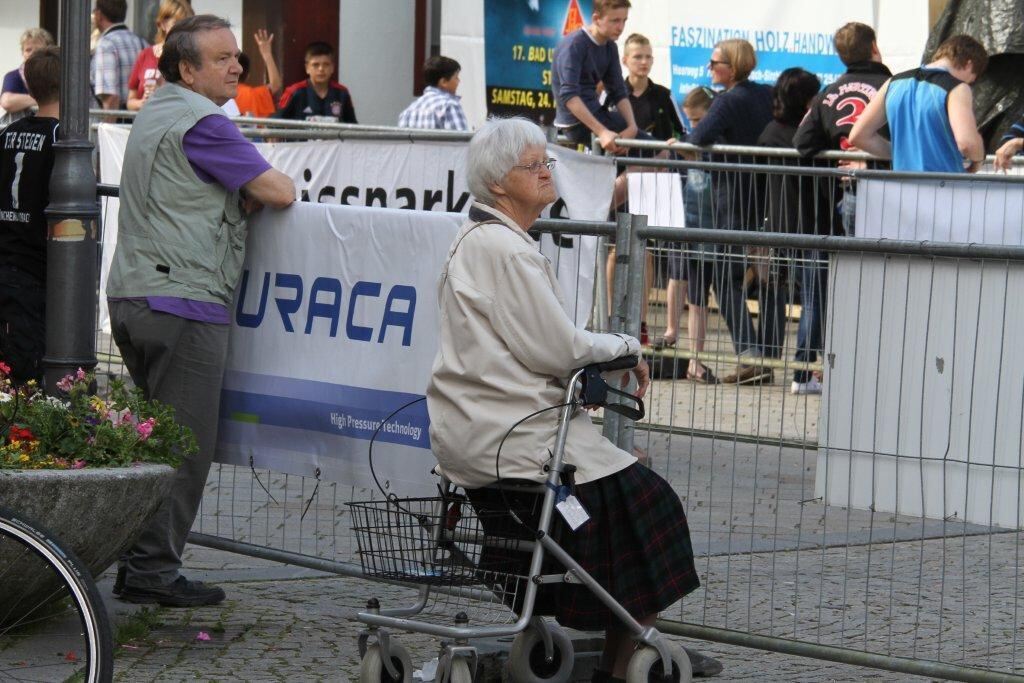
<point>636,544</point>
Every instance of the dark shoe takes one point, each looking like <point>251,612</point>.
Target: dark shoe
<point>749,374</point>
<point>181,593</point>
<point>702,665</point>
<point>707,378</point>
<point>660,343</point>
<point>119,581</point>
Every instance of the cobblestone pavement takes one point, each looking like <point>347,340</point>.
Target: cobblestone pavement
<point>299,628</point>
<point>773,560</point>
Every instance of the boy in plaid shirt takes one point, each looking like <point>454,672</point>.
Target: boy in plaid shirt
<point>439,106</point>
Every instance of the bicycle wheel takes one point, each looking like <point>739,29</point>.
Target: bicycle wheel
<point>53,625</point>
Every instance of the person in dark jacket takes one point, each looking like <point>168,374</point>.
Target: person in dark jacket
<point>800,204</point>
<point>736,117</point>
<point>827,126</point>
<point>832,114</point>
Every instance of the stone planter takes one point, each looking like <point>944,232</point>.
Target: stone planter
<point>97,513</point>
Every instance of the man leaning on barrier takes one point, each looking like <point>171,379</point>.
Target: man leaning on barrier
<point>930,112</point>
<point>181,241</point>
<point>836,109</point>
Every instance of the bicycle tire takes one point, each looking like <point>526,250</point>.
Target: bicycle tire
<point>54,617</point>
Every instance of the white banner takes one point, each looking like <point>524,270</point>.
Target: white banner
<point>412,175</point>
<point>333,330</point>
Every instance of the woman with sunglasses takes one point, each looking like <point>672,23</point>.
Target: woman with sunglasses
<point>737,116</point>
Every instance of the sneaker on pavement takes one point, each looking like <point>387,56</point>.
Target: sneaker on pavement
<point>811,386</point>
<point>181,593</point>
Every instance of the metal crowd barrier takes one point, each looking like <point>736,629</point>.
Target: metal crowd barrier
<point>828,526</point>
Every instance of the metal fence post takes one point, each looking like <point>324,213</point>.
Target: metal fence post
<point>620,284</point>
<point>633,303</point>
<point>601,303</point>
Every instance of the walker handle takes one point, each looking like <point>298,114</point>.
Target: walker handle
<point>594,390</point>
<point>621,363</point>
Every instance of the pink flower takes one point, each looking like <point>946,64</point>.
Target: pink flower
<point>80,375</point>
<point>203,635</point>
<point>145,428</point>
<point>78,464</point>
<point>5,369</point>
<point>121,417</point>
<point>66,383</point>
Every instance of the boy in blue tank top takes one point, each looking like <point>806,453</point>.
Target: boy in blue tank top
<point>930,112</point>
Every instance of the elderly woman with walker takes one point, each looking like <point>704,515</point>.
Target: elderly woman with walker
<point>506,350</point>
<point>607,544</point>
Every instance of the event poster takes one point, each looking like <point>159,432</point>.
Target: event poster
<point>520,39</point>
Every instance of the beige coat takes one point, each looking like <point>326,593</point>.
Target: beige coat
<point>507,349</point>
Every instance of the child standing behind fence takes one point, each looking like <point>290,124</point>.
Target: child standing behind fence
<point>693,262</point>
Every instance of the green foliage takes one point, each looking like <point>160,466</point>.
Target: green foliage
<point>84,430</point>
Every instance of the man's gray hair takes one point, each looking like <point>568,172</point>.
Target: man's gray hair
<point>181,44</point>
<point>495,148</point>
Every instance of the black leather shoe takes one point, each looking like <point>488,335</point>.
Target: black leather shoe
<point>181,593</point>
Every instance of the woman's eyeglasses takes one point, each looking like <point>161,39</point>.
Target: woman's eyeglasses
<point>535,167</point>
<point>714,62</point>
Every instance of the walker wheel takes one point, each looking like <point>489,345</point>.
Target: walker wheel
<point>372,670</point>
<point>458,671</point>
<point>645,665</point>
<point>527,662</point>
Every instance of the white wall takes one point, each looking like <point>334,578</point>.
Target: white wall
<point>902,27</point>
<point>462,39</point>
<point>375,57</point>
<point>15,17</point>
<point>228,9</point>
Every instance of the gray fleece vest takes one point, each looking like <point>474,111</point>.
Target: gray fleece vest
<point>177,235</point>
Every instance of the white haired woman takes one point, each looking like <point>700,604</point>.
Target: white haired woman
<point>506,350</point>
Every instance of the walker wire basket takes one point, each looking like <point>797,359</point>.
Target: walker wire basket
<point>441,541</point>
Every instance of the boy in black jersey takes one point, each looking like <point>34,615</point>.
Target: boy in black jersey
<point>26,161</point>
<point>319,97</point>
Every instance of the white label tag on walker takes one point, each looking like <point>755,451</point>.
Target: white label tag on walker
<point>572,512</point>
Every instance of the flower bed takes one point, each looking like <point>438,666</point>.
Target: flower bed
<point>84,430</point>
<point>91,469</point>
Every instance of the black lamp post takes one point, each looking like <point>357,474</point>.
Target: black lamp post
<point>73,213</point>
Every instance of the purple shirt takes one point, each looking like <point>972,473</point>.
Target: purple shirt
<point>218,152</point>
<point>14,83</point>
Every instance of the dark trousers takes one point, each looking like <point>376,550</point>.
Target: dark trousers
<point>730,267</point>
<point>813,274</point>
<point>772,296</point>
<point>22,324</point>
<point>181,363</point>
